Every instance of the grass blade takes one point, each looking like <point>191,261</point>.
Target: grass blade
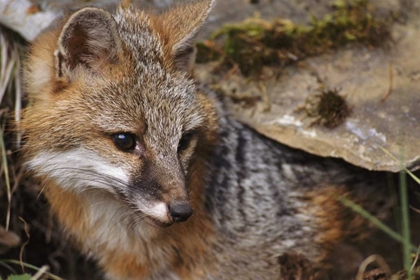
<point>6,178</point>
<point>18,101</point>
<point>358,209</point>
<point>405,215</point>
<point>405,223</point>
<point>8,267</point>
<point>415,178</point>
<point>50,275</point>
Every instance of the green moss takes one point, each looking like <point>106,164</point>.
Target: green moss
<point>207,51</point>
<point>256,43</point>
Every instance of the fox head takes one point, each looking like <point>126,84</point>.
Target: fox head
<point>112,108</point>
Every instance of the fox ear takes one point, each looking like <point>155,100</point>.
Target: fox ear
<point>179,27</point>
<point>87,40</point>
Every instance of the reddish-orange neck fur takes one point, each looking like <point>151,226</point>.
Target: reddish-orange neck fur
<point>185,247</point>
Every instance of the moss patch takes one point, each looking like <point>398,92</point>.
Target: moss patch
<point>256,43</point>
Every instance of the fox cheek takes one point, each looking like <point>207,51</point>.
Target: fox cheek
<point>79,169</point>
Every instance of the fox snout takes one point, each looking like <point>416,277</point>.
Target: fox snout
<point>180,211</point>
<point>162,194</point>
<point>165,214</point>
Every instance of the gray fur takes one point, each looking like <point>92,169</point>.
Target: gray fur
<point>255,190</point>
<point>256,196</point>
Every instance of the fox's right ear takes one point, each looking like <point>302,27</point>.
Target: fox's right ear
<point>179,26</point>
<point>88,40</point>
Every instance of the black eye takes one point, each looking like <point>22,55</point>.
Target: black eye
<point>126,142</point>
<point>185,140</point>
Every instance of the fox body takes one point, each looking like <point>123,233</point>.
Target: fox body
<point>149,174</point>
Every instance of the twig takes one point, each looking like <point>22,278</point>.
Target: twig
<point>266,97</point>
<point>415,259</point>
<point>230,72</point>
<point>371,259</point>
<point>391,82</point>
<point>414,209</point>
<point>40,272</point>
<point>6,178</point>
<point>22,248</point>
<point>18,100</point>
<point>50,275</point>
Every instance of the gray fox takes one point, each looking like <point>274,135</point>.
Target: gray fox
<point>149,174</point>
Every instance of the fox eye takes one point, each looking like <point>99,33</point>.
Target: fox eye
<point>126,142</point>
<point>185,140</point>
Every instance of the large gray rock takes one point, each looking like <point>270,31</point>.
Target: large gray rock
<point>381,85</point>
<point>375,130</point>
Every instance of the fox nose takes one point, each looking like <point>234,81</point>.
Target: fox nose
<point>180,211</point>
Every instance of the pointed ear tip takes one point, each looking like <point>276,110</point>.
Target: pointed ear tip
<point>87,19</point>
<point>211,4</point>
<point>125,4</point>
<point>88,10</point>
<point>86,13</point>
<point>207,5</point>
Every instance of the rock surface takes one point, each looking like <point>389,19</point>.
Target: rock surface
<point>381,85</point>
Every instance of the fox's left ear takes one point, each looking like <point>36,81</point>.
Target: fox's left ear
<point>178,27</point>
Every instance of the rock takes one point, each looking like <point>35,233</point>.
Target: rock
<point>381,85</point>
<point>25,17</point>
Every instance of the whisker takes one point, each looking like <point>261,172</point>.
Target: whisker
<point>91,172</point>
<point>41,191</point>
<point>98,178</point>
<point>98,203</point>
<point>125,215</point>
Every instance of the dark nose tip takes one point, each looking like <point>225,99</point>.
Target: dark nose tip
<point>180,211</point>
